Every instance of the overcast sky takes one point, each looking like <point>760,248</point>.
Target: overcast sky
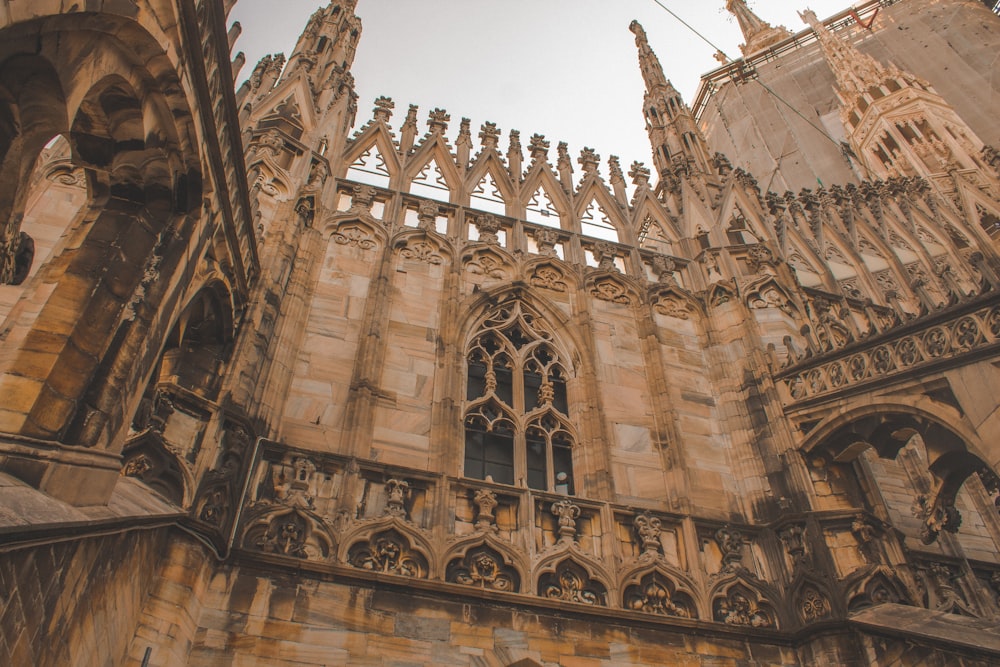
<point>563,68</point>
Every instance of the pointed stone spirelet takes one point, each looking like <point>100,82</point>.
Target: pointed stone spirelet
<point>489,135</point>
<point>855,71</point>
<point>649,64</point>
<point>438,121</point>
<point>383,109</point>
<point>758,33</point>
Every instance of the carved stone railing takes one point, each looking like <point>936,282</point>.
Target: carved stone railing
<point>970,329</point>
<point>358,520</point>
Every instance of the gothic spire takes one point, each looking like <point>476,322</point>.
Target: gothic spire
<point>652,71</point>
<point>758,33</point>
<point>856,72</point>
<point>674,137</point>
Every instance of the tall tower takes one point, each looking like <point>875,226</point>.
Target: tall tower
<point>758,33</point>
<point>897,124</point>
<point>673,133</point>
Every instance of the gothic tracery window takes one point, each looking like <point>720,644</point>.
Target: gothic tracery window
<point>517,413</point>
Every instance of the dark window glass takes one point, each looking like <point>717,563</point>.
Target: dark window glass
<point>505,388</point>
<point>559,402</point>
<point>532,381</point>
<point>477,380</point>
<point>537,470</point>
<point>489,454</point>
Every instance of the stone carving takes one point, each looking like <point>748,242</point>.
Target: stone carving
<point>656,594</point>
<point>137,467</point>
<point>610,290</point>
<point>546,240</point>
<point>421,251</point>
<point>362,197</point>
<point>292,485</point>
<point>485,568</point>
<point>936,514</point>
<point>383,109</point>
<point>961,335</point>
<point>388,552</point>
<point>354,236</point>
<point>567,513</point>
<point>867,537</point>
<point>487,264</point>
<point>571,583</point>
<point>833,333</point>
<point>397,491</point>
<point>285,536</point>
<point>794,539</point>
<point>605,254</point>
<point>427,214</point>
<point>548,277</point>
<point>673,306</point>
<point>739,606</point>
<point>488,226</point>
<point>664,267</point>
<point>214,506</point>
<point>485,501</point>
<point>730,542</point>
<point>648,528</point>
<point>318,174</point>
<point>946,596</point>
<point>305,208</point>
<point>813,605</point>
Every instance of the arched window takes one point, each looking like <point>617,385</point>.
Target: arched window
<point>517,413</point>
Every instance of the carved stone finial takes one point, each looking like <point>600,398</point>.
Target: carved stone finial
<point>664,268</point>
<point>438,121</point>
<point>489,134</point>
<point>362,197</point>
<point>758,33</point>
<point>383,109</point>
<point>396,491</point>
<point>794,539</point>
<point>639,174</point>
<point>427,214</point>
<point>567,513</point>
<point>730,542</point>
<point>488,226</point>
<point>605,253</point>
<point>615,170</point>
<point>486,502</point>
<point>588,159</point>
<point>538,146</point>
<point>648,527</point>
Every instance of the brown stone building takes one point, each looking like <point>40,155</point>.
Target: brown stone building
<point>279,391</point>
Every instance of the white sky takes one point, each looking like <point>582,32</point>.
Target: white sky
<point>563,68</point>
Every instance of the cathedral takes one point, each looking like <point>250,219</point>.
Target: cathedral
<point>291,378</point>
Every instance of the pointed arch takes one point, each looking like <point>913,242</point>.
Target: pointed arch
<point>517,425</point>
<point>288,531</point>
<point>742,602</point>
<point>417,171</point>
<point>488,180</point>
<point>613,287</point>
<point>485,561</point>
<point>488,263</point>
<point>372,156</point>
<point>542,191</point>
<point>389,545</point>
<point>599,213</point>
<point>872,586</point>
<point>572,577</point>
<point>676,302</point>
<point>659,589</point>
